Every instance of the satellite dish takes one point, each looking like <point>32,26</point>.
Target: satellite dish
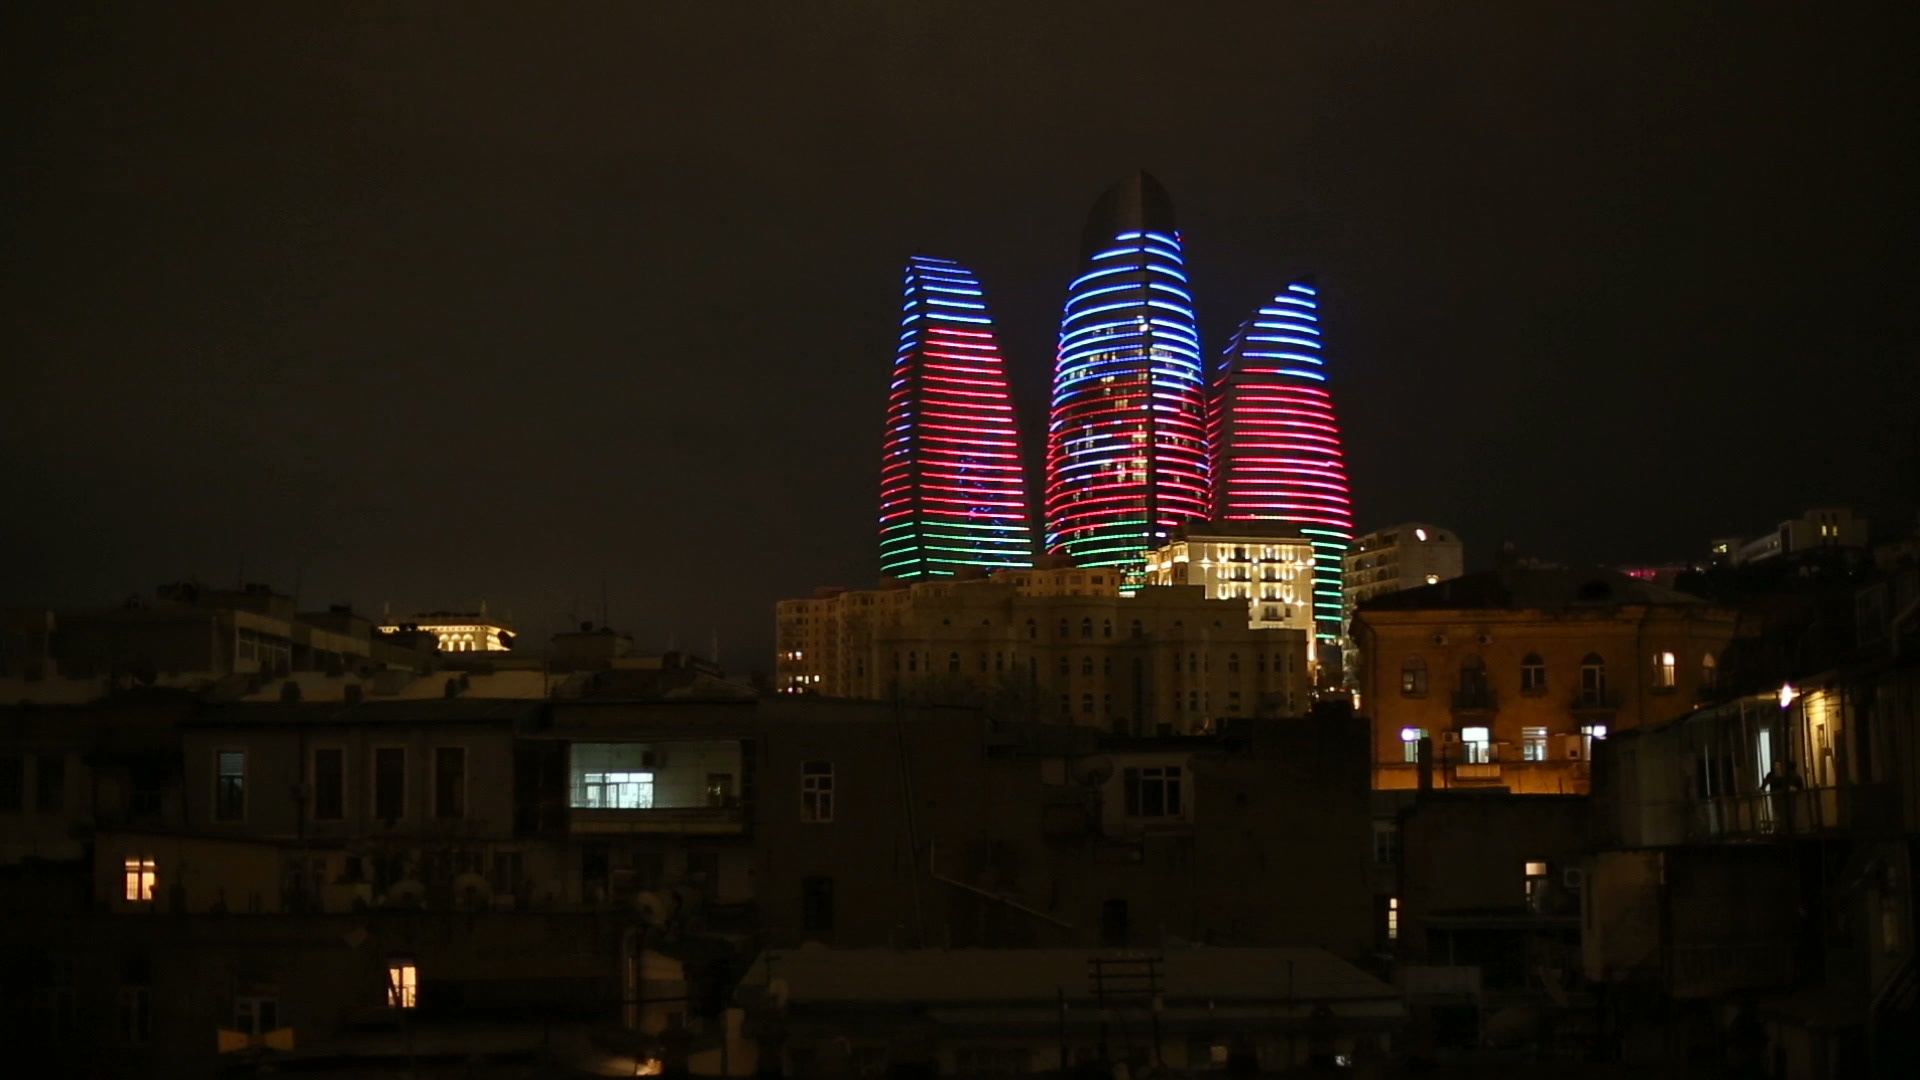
<point>1093,772</point>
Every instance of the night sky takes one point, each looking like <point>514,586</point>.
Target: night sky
<point>425,303</point>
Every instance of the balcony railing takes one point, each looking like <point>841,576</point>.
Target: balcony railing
<point>1477,699</point>
<point>1867,807</point>
<point>1477,772</point>
<point>1596,701</point>
<point>713,820</point>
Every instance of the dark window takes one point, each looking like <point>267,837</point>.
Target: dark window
<point>1593,678</point>
<point>1086,664</point>
<point>1033,629</point>
<point>329,784</point>
<point>449,781</point>
<point>50,786</point>
<point>816,792</point>
<point>1113,924</point>
<point>1533,674</point>
<point>1413,676</point>
<point>1086,704</point>
<point>1233,663</point>
<point>816,905</point>
<point>230,785</point>
<point>1066,667</point>
<point>719,789</point>
<point>1153,791</point>
<point>1106,625</point>
<point>13,783</point>
<point>1086,627</point>
<point>1064,631</point>
<point>1136,631</point>
<point>390,783</point>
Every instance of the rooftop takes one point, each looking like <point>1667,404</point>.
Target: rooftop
<point>1527,588</point>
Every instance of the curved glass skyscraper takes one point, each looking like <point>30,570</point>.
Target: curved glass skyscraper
<point>1276,445</point>
<point>953,491</point>
<point>1126,439</point>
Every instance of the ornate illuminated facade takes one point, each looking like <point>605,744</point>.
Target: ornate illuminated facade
<point>952,486</point>
<point>1276,446</point>
<point>1126,440</point>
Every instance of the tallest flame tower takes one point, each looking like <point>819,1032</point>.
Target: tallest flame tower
<point>1127,457</point>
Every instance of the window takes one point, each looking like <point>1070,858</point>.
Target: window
<point>1136,631</point>
<point>230,785</point>
<point>1709,672</point>
<point>1393,918</point>
<point>136,1014</point>
<point>1665,677</point>
<point>1593,679</point>
<point>1233,663</point>
<point>953,663</point>
<point>256,1015</point>
<point>1413,676</point>
<point>1533,674</point>
<point>329,783</point>
<point>1410,742</point>
<point>450,782</point>
<point>1479,744</point>
<point>142,877</point>
<point>1114,929</point>
<point>1536,884</point>
<point>1533,744</point>
<point>1106,625</point>
<point>390,783</point>
<point>1066,667</point>
<point>816,792</point>
<point>1086,627</point>
<point>1588,733</point>
<point>816,905</point>
<point>50,785</point>
<point>1086,664</point>
<point>719,789</point>
<point>1064,631</point>
<point>13,783</point>
<point>403,984</point>
<point>1033,629</point>
<point>1086,704</point>
<point>1386,843</point>
<point>1153,791</point>
<point>612,776</point>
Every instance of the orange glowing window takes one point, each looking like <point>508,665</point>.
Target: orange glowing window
<point>141,878</point>
<point>403,984</point>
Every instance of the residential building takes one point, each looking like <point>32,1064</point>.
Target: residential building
<point>1047,1011</point>
<point>1276,444</point>
<point>1268,566</point>
<point>953,492</point>
<point>1126,457</point>
<point>1397,558</point>
<point>1056,644</point>
<point>1816,530</point>
<point>1512,674</point>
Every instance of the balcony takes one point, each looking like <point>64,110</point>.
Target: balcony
<point>1866,807</point>
<point>1479,699</point>
<point>1595,703</point>
<point>679,820</point>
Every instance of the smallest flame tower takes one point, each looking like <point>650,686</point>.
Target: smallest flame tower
<point>1275,442</point>
<point>952,483</point>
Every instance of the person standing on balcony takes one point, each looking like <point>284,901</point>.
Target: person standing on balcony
<point>1780,784</point>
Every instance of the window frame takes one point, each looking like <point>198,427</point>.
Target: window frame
<point>439,795</point>
<point>141,873</point>
<point>1167,780</point>
<point>373,781</point>
<point>313,783</point>
<point>1413,677</point>
<point>817,792</point>
<point>222,812</point>
<point>403,992</point>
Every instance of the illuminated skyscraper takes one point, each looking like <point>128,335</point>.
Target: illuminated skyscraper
<point>1276,446</point>
<point>1126,439</point>
<point>953,492</point>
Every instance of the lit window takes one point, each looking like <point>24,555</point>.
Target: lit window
<point>1410,740</point>
<point>1413,676</point>
<point>141,878</point>
<point>1479,743</point>
<point>403,984</point>
<point>1533,744</point>
<point>816,792</point>
<point>1664,674</point>
<point>1393,918</point>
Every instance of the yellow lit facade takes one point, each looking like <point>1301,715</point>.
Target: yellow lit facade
<point>1514,697</point>
<point>1054,644</point>
<point>1271,575</point>
<point>457,632</point>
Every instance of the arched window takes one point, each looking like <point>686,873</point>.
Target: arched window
<point>1260,663</point>
<point>1033,629</point>
<point>1473,677</point>
<point>1709,672</point>
<point>1086,664</point>
<point>1106,627</point>
<point>1593,679</point>
<point>1533,674</point>
<point>1064,631</point>
<point>1233,663</point>
<point>1137,631</point>
<point>1086,704</point>
<point>913,661</point>
<point>953,663</point>
<point>1106,665</point>
<point>1666,671</point>
<point>1193,662</point>
<point>1413,676</point>
<point>1065,667</point>
<point>983,663</point>
<point>1086,626</point>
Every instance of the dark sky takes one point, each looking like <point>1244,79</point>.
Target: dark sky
<point>425,303</point>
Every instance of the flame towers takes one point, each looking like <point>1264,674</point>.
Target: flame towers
<point>1276,445</point>
<point>953,491</point>
<point>1126,439</point>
